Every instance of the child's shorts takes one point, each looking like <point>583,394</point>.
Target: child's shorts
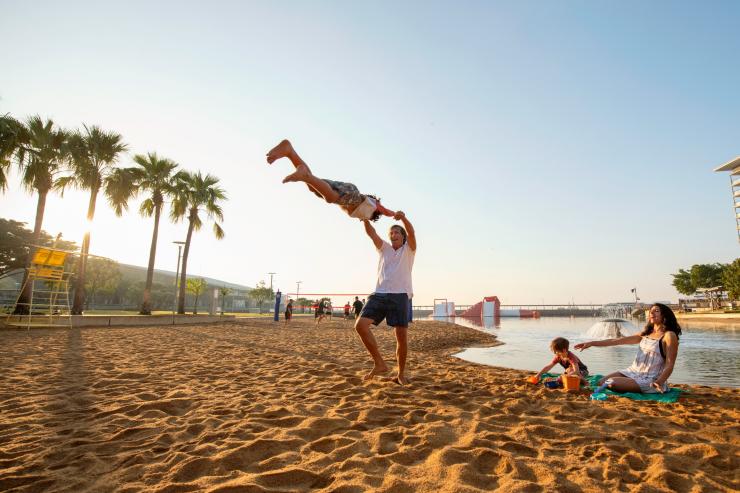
<point>349,194</point>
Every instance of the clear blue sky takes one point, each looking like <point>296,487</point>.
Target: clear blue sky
<point>545,151</point>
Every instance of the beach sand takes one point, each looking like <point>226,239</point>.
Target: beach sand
<point>252,406</point>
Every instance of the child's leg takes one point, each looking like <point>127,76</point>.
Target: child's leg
<point>302,172</point>
<point>314,184</point>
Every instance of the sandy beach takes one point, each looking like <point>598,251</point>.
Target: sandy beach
<point>252,406</point>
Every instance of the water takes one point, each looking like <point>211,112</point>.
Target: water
<point>707,355</point>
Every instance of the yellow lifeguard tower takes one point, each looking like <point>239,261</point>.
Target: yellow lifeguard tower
<point>48,282</point>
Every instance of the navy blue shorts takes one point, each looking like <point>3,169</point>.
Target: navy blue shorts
<point>393,307</point>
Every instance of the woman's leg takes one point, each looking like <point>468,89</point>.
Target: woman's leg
<point>616,374</point>
<point>624,384</point>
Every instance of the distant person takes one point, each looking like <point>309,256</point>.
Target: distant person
<point>288,311</point>
<point>571,364</point>
<point>390,300</point>
<point>361,206</point>
<point>329,310</point>
<point>320,312</point>
<point>357,306</point>
<point>655,357</point>
<point>347,308</point>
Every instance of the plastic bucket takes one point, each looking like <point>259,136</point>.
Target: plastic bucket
<point>571,383</point>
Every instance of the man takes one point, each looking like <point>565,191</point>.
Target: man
<point>288,311</point>
<point>357,306</point>
<point>346,310</point>
<point>390,299</point>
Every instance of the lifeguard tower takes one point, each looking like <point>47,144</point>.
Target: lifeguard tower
<point>48,286</point>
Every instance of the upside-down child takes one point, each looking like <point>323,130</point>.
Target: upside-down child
<point>364,207</point>
<point>569,361</point>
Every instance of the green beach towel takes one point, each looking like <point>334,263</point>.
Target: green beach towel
<point>593,380</point>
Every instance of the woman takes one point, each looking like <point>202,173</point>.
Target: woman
<point>655,356</point>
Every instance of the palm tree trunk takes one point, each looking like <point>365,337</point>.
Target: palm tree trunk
<point>183,273</point>
<point>22,307</point>
<point>79,299</point>
<point>146,308</point>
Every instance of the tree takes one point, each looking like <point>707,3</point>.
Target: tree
<point>682,282</point>
<point>13,137</point>
<point>224,292</point>
<point>261,293</point>
<point>16,241</point>
<point>154,175</point>
<point>194,192</point>
<point>706,275</point>
<point>303,303</point>
<point>196,287</point>
<point>93,155</point>
<point>103,275</point>
<point>41,159</point>
<point>731,279</point>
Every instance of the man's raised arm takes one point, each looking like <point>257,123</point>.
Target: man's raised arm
<point>370,230</point>
<point>411,239</point>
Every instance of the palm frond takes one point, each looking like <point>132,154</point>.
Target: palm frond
<point>147,208</point>
<point>218,231</point>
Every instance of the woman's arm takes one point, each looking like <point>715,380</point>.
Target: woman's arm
<point>671,346</point>
<point>635,339</point>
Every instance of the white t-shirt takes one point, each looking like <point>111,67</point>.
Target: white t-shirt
<point>365,210</point>
<point>394,269</point>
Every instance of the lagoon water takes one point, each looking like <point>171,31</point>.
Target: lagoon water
<point>707,355</point>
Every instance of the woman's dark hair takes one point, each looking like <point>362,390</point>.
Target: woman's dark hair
<point>376,214</point>
<point>669,321</point>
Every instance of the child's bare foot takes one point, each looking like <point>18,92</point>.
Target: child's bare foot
<point>300,174</point>
<point>377,370</point>
<point>283,149</point>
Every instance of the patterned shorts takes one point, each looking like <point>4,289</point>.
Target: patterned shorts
<point>349,195</point>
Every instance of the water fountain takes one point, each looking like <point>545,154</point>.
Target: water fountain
<point>611,328</point>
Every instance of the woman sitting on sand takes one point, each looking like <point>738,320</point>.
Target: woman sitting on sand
<point>655,356</point>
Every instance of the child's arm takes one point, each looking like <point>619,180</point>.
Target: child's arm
<point>383,210</point>
<point>545,370</point>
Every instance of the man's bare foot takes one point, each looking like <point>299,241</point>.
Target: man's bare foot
<point>377,370</point>
<point>300,174</point>
<point>283,149</point>
<point>400,380</point>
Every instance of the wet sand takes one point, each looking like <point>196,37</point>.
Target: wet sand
<point>252,406</point>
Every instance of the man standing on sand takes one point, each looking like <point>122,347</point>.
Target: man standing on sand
<point>390,300</point>
<point>357,307</point>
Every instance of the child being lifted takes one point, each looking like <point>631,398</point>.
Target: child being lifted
<point>364,207</point>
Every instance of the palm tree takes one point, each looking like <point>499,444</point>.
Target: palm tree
<point>93,154</point>
<point>155,176</point>
<point>40,152</point>
<point>195,192</point>
<point>13,137</point>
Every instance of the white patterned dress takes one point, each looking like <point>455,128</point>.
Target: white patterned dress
<point>648,366</point>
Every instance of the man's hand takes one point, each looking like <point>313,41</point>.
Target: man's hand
<point>399,215</point>
<point>658,387</point>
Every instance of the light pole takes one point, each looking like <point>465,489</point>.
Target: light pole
<point>297,292</point>
<point>271,274</point>
<point>177,276</point>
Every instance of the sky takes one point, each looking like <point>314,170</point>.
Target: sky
<point>545,152</point>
